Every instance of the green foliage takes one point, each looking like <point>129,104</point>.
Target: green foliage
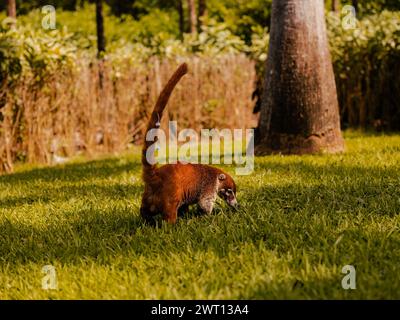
<point>365,59</point>
<point>158,25</point>
<point>10,52</point>
<point>24,51</point>
<point>213,39</point>
<point>74,37</point>
<point>375,39</point>
<point>140,8</point>
<point>302,219</point>
<point>149,28</point>
<point>24,7</point>
<point>242,17</point>
<point>367,7</point>
<point>366,62</point>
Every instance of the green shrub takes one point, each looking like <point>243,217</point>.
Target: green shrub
<point>366,59</point>
<point>367,64</point>
<point>25,51</point>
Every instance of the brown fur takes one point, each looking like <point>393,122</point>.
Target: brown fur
<point>173,187</point>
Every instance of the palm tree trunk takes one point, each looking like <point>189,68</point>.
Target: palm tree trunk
<point>101,41</point>
<point>299,111</point>
<point>192,16</point>
<point>202,11</point>
<point>355,4</point>
<point>11,9</point>
<point>335,5</point>
<point>181,18</point>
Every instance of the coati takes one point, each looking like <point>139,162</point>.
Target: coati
<point>171,188</point>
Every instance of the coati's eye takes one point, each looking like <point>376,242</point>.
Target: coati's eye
<point>221,177</point>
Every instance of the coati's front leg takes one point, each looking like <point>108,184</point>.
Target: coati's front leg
<point>148,207</point>
<point>170,212</point>
<point>147,215</point>
<point>206,203</point>
<point>183,209</point>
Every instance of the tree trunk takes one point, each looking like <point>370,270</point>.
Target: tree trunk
<point>299,111</point>
<point>192,16</point>
<point>335,5</point>
<point>181,18</point>
<point>202,11</point>
<point>101,41</point>
<point>11,9</point>
<point>355,4</point>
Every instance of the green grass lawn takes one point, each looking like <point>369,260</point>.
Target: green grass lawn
<point>302,220</point>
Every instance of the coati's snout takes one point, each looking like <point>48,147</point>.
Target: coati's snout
<point>227,190</point>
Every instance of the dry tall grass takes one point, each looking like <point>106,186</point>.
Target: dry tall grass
<point>69,113</point>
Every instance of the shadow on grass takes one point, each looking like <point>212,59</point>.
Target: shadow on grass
<point>305,169</point>
<point>324,288</point>
<point>74,172</point>
<point>300,289</point>
<point>335,187</point>
<point>114,191</point>
<point>89,234</point>
<point>85,232</point>
<point>104,232</point>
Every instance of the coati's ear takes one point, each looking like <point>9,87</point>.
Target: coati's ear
<point>222,176</point>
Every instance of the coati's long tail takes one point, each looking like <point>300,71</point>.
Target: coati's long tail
<point>148,169</point>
